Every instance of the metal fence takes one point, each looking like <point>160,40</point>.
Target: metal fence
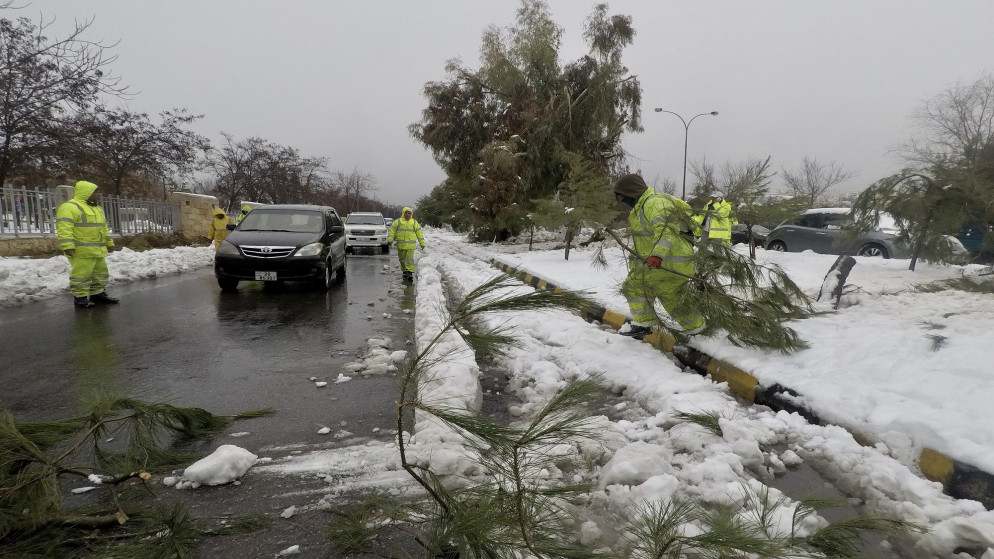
<point>129,216</point>
<point>30,212</point>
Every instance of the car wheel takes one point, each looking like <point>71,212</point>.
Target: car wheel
<point>324,282</point>
<point>385,249</point>
<point>349,250</point>
<point>340,273</point>
<point>777,246</point>
<point>872,250</point>
<point>227,284</point>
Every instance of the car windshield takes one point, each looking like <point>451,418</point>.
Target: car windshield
<point>374,219</point>
<point>297,221</point>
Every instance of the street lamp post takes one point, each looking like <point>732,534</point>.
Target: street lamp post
<point>686,134</point>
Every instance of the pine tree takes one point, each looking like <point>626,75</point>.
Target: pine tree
<point>512,511</point>
<point>924,212</point>
<point>119,440</point>
<point>562,122</point>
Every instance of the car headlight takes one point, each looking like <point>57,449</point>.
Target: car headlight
<point>381,231</point>
<point>312,249</point>
<point>227,248</point>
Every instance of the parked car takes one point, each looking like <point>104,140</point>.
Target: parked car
<point>741,235</point>
<point>971,236</point>
<point>283,242</point>
<point>826,231</point>
<point>366,230</point>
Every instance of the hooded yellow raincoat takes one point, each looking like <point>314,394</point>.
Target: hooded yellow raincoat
<point>245,209</point>
<point>218,229</point>
<point>82,229</point>
<point>406,232</point>
<point>655,224</point>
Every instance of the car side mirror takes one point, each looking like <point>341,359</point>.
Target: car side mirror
<point>335,229</point>
<point>230,226</point>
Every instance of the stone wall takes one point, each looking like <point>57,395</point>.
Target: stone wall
<point>195,213</point>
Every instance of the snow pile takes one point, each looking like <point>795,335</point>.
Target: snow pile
<point>25,280</point>
<point>225,465</point>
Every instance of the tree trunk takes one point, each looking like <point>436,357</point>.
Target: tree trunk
<point>835,280</point>
<point>569,240</point>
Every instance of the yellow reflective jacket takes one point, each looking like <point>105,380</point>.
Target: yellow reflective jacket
<point>218,229</point>
<point>655,223</point>
<point>406,232</point>
<point>82,227</point>
<point>715,221</point>
<point>245,209</point>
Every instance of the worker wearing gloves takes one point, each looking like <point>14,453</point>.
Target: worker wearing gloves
<point>406,233</point>
<point>84,238</point>
<point>663,256</point>
<point>716,220</point>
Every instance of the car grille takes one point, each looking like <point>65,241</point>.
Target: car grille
<point>267,251</point>
<point>363,232</point>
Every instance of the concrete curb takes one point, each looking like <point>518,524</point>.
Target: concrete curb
<point>958,479</point>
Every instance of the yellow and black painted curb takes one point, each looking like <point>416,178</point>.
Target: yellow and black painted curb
<point>958,479</point>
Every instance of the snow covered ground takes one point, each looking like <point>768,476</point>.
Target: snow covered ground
<point>873,366</point>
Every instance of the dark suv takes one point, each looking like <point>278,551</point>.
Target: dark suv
<point>289,242</point>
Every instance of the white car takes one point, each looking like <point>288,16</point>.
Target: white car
<point>366,230</point>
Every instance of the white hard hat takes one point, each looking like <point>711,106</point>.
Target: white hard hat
<point>718,194</point>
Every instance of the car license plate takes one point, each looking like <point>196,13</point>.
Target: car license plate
<point>265,276</point>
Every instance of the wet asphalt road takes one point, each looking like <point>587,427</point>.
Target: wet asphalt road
<point>180,339</point>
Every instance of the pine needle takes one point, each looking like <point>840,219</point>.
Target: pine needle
<point>708,420</point>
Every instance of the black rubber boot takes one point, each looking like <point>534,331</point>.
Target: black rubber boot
<point>103,298</point>
<point>637,332</point>
<point>81,302</point>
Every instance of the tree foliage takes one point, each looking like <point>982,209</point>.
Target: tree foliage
<point>44,82</point>
<point>115,445</point>
<point>526,125</point>
<point>949,182</point>
<point>260,171</point>
<point>924,212</point>
<point>353,187</point>
<point>955,132</point>
<point>109,146</point>
<point>745,185</point>
<point>812,179</point>
<point>513,510</point>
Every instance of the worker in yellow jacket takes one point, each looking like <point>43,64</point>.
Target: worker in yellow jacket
<point>405,231</point>
<point>246,208</point>
<point>716,220</point>
<point>218,229</point>
<point>663,261</point>
<point>84,238</point>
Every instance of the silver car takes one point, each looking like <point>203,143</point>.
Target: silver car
<point>366,230</point>
<point>826,231</point>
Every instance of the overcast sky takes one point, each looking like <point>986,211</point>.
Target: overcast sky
<point>832,80</point>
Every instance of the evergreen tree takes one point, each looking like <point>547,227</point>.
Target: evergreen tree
<point>924,211</point>
<point>584,198</point>
<point>950,168</point>
<point>524,125</point>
